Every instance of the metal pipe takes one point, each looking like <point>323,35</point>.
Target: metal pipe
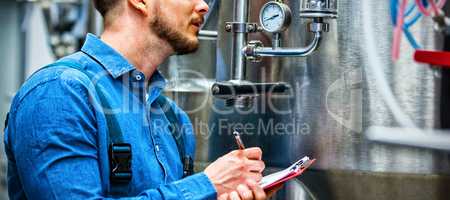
<point>238,61</point>
<point>414,137</point>
<point>290,52</point>
<point>276,40</point>
<point>207,35</point>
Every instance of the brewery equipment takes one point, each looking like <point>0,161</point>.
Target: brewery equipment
<point>332,97</point>
<point>275,17</point>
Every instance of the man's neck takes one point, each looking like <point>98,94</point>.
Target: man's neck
<point>145,51</point>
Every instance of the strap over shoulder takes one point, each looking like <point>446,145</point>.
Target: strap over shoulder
<point>120,152</point>
<point>177,134</point>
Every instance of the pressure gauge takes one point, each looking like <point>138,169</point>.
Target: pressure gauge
<point>275,17</point>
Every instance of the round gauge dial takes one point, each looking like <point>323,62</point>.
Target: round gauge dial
<point>275,17</point>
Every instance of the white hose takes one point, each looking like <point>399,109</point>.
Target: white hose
<point>375,65</point>
<point>429,139</point>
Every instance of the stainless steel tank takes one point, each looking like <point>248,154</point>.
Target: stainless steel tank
<point>334,99</point>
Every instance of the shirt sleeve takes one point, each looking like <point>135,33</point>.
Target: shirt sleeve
<point>55,153</point>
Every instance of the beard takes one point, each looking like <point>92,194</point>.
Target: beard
<point>178,40</point>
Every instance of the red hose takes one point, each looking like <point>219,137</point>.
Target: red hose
<point>441,4</point>
<point>435,7</point>
<point>398,31</point>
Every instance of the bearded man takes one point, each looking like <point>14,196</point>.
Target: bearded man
<point>94,125</point>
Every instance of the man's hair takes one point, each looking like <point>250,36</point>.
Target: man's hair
<point>104,6</point>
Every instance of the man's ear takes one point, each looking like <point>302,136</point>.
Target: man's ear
<point>139,5</point>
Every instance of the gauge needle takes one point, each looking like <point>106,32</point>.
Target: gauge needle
<point>270,18</point>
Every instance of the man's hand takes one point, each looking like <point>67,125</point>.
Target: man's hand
<point>244,193</point>
<point>251,191</point>
<point>237,173</point>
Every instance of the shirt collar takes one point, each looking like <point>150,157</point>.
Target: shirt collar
<point>156,85</point>
<point>117,65</point>
<point>157,80</point>
<point>111,60</point>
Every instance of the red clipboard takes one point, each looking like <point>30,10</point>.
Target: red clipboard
<point>278,178</point>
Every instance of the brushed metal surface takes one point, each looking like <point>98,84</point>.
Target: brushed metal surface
<point>335,97</point>
<point>358,185</point>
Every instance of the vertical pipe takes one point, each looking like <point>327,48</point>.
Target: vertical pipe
<point>276,40</point>
<point>238,62</point>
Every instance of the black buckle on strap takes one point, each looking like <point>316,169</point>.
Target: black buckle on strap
<point>120,162</point>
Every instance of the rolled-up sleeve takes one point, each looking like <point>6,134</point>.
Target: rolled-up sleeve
<point>54,149</point>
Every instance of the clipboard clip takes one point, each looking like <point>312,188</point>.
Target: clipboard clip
<point>300,164</point>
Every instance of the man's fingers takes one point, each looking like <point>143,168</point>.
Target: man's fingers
<point>254,176</point>
<point>234,196</point>
<point>255,165</point>
<point>258,192</point>
<point>244,192</point>
<point>223,196</point>
<point>254,153</point>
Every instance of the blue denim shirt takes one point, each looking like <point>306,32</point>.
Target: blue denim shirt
<point>57,137</point>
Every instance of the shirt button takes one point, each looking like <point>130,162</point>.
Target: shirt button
<point>138,77</point>
<point>157,147</point>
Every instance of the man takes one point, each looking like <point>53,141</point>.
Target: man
<point>63,117</point>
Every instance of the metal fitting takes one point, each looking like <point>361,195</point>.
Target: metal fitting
<point>442,23</point>
<point>240,102</point>
<point>318,27</point>
<point>249,51</point>
<point>237,27</point>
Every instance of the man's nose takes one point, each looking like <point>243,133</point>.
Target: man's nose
<point>201,7</point>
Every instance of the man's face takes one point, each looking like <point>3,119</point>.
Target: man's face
<point>178,22</point>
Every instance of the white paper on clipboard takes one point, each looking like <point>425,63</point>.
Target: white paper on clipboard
<point>281,176</point>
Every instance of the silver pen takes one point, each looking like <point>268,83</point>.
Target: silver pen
<point>239,142</point>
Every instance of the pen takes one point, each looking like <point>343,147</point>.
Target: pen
<point>239,142</point>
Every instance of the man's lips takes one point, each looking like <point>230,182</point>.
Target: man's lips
<point>197,25</point>
<point>197,22</point>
